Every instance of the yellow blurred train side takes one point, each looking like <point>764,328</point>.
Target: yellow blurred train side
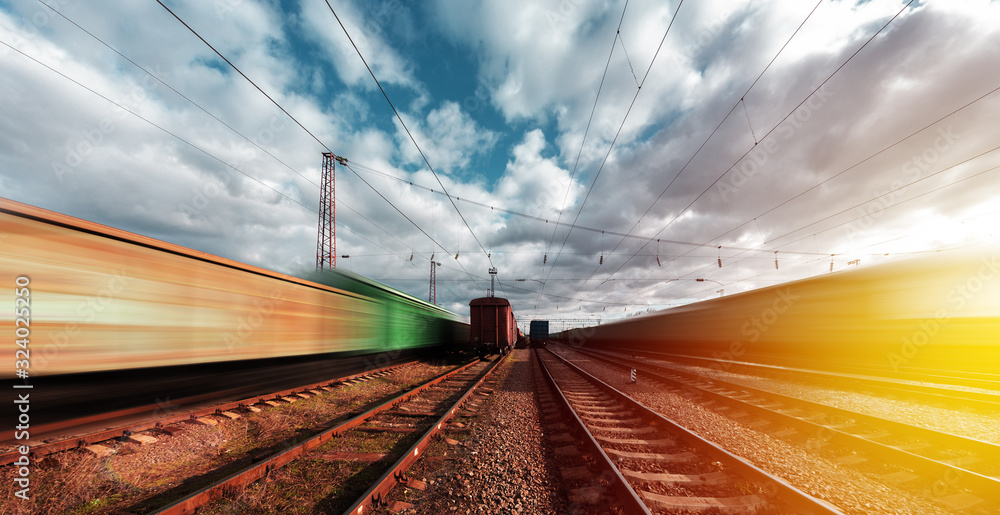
<point>940,312</point>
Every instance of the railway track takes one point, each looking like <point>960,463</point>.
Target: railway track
<point>85,432</point>
<point>982,380</point>
<point>934,388</point>
<point>927,455</point>
<point>653,465</point>
<point>367,440</point>
<point>376,495</point>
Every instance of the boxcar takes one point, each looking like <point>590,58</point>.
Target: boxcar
<point>493,329</point>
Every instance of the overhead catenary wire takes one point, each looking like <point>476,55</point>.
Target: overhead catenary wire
<point>618,133</point>
<point>846,222</point>
<point>234,67</point>
<point>254,84</point>
<point>583,141</point>
<point>855,165</point>
<point>201,108</point>
<point>543,219</point>
<point>712,134</point>
<point>171,88</point>
<point>207,153</point>
<point>405,128</point>
<point>766,135</point>
<point>439,245</point>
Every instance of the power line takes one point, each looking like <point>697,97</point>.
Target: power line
<point>771,131</point>
<point>290,115</point>
<point>408,133</point>
<point>617,134</point>
<point>254,84</point>
<point>209,154</point>
<point>983,172</point>
<point>137,115</point>
<point>583,141</point>
<point>182,95</point>
<point>710,136</point>
<point>842,172</point>
<point>531,217</point>
<point>349,167</point>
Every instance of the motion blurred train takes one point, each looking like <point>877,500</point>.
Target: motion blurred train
<point>112,311</point>
<point>938,312</point>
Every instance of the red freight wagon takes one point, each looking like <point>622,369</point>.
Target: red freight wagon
<point>493,328</point>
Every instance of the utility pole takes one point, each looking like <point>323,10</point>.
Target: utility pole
<point>326,234</point>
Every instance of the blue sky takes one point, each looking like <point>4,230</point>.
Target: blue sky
<point>881,162</point>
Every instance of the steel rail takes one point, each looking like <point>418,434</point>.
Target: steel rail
<point>375,496</point>
<point>932,435</point>
<point>982,484</point>
<point>626,494</point>
<point>981,399</point>
<point>254,472</point>
<point>124,430</point>
<point>785,491</point>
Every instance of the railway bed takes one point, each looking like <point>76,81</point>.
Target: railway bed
<point>922,452</point>
<point>133,477</point>
<point>515,445</point>
<point>653,465</point>
<point>971,390</point>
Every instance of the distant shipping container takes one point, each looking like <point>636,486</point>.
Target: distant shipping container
<point>539,330</point>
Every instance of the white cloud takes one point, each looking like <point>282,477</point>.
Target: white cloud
<point>542,66</point>
<point>448,136</point>
<point>367,33</point>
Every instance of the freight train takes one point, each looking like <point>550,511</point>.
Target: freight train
<point>939,312</point>
<point>493,329</point>
<point>112,312</point>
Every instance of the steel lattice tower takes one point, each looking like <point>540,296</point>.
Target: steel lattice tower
<point>432,296</point>
<point>326,237</point>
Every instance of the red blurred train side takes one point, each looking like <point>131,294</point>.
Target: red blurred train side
<point>493,328</point>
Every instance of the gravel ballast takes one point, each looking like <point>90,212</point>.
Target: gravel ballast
<point>811,470</point>
<point>501,464</point>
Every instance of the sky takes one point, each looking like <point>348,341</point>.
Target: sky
<point>605,157</point>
